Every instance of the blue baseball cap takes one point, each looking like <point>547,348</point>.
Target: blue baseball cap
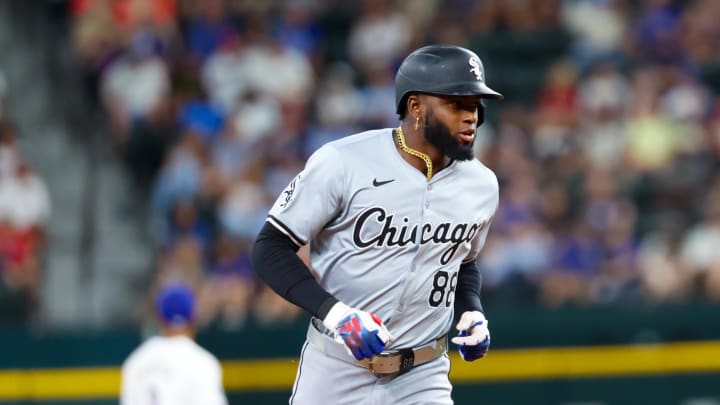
<point>175,304</point>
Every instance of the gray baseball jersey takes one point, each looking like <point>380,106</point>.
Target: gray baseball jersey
<point>383,238</point>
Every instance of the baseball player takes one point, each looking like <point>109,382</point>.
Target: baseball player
<point>395,219</point>
<point>172,369</point>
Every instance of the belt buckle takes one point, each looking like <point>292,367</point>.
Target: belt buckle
<point>407,361</point>
<point>374,359</point>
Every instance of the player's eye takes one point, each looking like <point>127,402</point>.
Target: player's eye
<point>458,105</point>
<point>464,105</point>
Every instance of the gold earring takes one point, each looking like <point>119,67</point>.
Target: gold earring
<point>417,123</point>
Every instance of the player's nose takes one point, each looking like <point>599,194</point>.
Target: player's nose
<point>470,117</point>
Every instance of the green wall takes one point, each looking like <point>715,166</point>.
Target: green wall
<point>511,328</point>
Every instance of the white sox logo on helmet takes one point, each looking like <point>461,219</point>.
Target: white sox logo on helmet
<point>475,63</point>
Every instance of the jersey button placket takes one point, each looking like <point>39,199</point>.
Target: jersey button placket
<point>413,266</point>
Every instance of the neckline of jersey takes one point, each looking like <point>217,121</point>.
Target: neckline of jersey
<point>436,177</point>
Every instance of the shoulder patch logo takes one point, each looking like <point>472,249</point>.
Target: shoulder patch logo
<point>475,63</point>
<point>289,192</point>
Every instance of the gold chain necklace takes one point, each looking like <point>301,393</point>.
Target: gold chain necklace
<point>413,152</point>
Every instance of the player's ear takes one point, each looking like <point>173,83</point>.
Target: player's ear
<point>413,104</point>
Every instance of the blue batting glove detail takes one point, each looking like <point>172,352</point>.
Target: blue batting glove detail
<point>471,353</point>
<point>473,339</point>
<point>360,335</point>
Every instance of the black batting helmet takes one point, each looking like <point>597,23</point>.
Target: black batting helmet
<point>442,69</point>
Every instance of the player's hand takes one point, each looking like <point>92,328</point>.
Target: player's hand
<point>362,333</point>
<point>474,337</point>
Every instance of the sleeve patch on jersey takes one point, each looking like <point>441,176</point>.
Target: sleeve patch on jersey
<point>289,191</point>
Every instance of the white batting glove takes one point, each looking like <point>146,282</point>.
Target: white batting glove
<point>474,337</point>
<point>362,333</point>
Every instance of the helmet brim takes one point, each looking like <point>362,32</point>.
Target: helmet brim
<point>465,89</point>
<point>489,93</point>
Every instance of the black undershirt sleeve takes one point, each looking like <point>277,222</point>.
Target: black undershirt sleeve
<point>467,292</point>
<point>276,262</point>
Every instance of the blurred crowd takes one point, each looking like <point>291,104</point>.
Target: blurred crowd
<point>606,146</point>
<point>24,212</point>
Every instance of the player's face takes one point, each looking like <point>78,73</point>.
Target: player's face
<point>450,125</point>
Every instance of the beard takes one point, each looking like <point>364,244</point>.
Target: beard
<point>439,136</point>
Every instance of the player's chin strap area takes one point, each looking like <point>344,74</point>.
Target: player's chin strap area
<point>392,362</point>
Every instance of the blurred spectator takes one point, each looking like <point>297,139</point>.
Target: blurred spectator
<point>9,152</point>
<point>202,118</point>
<point>556,110</point>
<point>179,178</point>
<point>519,40</point>
<point>379,38</point>
<point>3,95</point>
<point>603,96</point>
<point>611,220</point>
<point>662,275</point>
<point>230,153</point>
<point>206,25</point>
<point>712,136</point>
<point>700,39</point>
<point>185,223</point>
<point>257,116</point>
<point>222,74</point>
<point>274,69</point>
<point>182,261</point>
<point>136,85</point>
<point>699,252</point>
<point>599,28</point>
<point>377,94</point>
<point>578,260</point>
<point>24,212</point>
<point>129,13</point>
<point>652,139</point>
<point>657,32</point>
<point>242,210</point>
<point>338,107</point>
<point>103,27</point>
<point>97,39</point>
<point>229,286</point>
<point>297,27</point>
<point>24,198</point>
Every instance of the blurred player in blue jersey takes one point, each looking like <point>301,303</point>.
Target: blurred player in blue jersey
<point>172,369</point>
